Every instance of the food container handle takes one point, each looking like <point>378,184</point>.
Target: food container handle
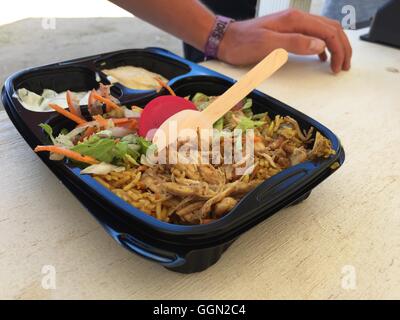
<point>146,251</point>
<point>272,189</point>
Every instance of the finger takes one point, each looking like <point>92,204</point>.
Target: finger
<point>299,44</point>
<point>345,40</point>
<point>323,56</point>
<point>300,22</point>
<point>330,35</point>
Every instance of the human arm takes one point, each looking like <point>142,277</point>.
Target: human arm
<point>247,42</point>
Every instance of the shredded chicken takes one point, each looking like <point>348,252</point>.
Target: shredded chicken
<point>322,147</point>
<point>195,194</point>
<point>298,155</point>
<point>211,175</point>
<point>224,206</point>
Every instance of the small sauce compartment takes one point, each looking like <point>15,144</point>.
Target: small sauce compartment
<point>150,61</point>
<point>57,78</point>
<point>209,85</point>
<point>75,79</point>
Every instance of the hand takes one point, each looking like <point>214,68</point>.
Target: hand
<point>248,42</point>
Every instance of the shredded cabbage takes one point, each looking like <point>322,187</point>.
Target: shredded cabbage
<point>102,169</point>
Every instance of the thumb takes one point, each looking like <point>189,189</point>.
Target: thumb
<point>300,44</point>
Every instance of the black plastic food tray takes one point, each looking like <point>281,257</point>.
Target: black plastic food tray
<point>180,248</point>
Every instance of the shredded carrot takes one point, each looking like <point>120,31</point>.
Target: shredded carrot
<point>107,102</point>
<point>68,153</point>
<point>71,104</point>
<point>128,123</point>
<point>101,121</point>
<point>87,124</point>
<point>166,86</point>
<point>119,121</point>
<point>258,138</point>
<point>67,114</point>
<point>91,101</point>
<point>89,131</point>
<point>133,124</point>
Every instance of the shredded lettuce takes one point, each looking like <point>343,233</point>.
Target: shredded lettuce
<point>109,150</point>
<point>49,130</point>
<point>100,149</point>
<point>121,149</point>
<point>130,138</point>
<point>246,109</point>
<point>142,145</point>
<point>201,101</point>
<point>219,125</point>
<point>128,158</point>
<point>199,98</point>
<point>248,104</point>
<point>246,124</point>
<point>64,131</point>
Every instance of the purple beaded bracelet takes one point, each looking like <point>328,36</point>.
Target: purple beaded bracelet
<point>215,37</point>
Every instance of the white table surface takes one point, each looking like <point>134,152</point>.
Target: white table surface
<point>349,227</point>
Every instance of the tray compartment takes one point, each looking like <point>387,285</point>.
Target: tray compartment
<point>158,63</point>
<point>57,78</point>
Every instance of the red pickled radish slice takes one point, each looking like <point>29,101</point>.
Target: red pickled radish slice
<point>160,109</point>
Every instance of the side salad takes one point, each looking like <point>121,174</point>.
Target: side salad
<point>110,141</point>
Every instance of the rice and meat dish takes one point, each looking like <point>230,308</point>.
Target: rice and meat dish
<point>116,156</point>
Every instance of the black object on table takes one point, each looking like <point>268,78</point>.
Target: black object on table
<point>385,28</point>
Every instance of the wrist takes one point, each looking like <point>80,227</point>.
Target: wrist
<point>217,34</point>
<point>225,47</point>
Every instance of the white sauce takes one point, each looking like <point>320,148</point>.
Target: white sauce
<point>40,103</point>
<point>134,77</point>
